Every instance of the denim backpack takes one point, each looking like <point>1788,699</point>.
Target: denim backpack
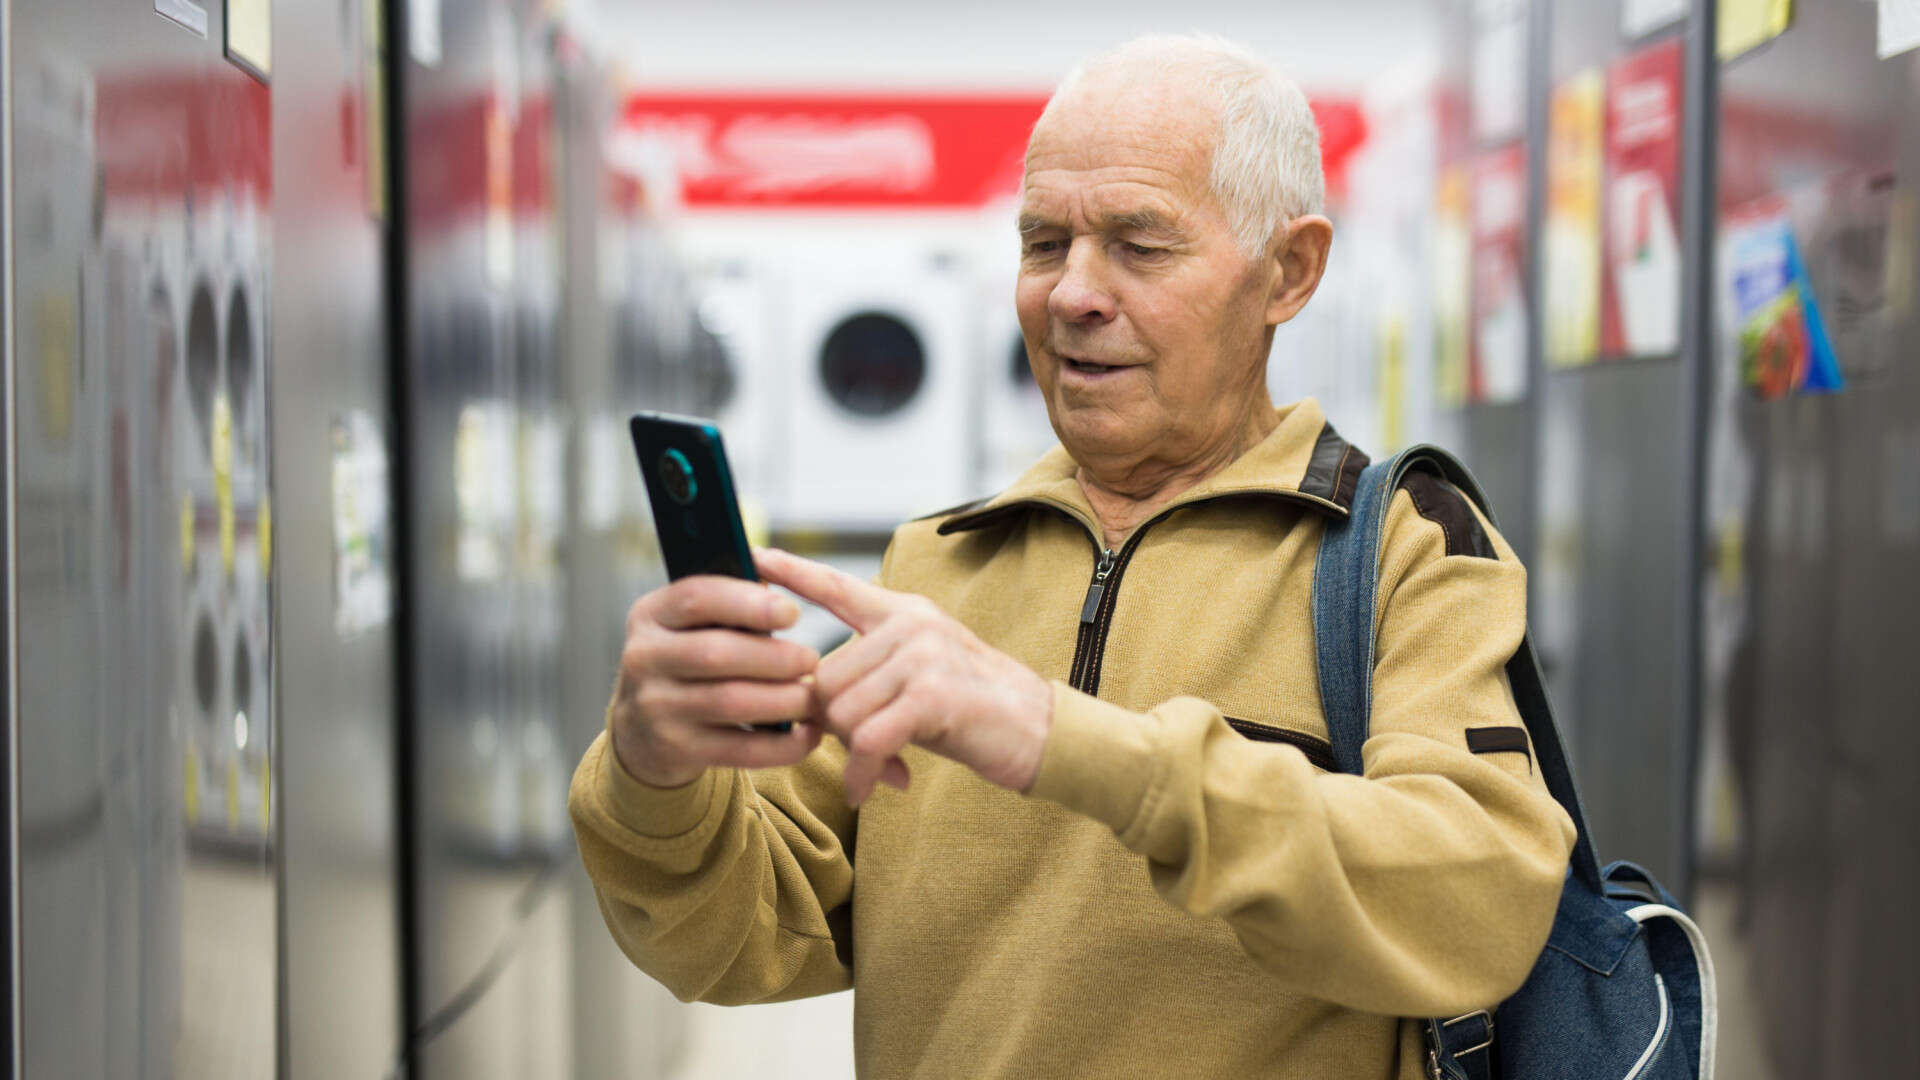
<point>1624,988</point>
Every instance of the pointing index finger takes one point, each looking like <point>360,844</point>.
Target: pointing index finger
<point>855,602</point>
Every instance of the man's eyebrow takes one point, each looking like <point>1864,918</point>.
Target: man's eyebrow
<point>1030,223</point>
<point>1143,220</point>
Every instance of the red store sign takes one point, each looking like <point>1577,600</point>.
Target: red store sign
<point>862,151</point>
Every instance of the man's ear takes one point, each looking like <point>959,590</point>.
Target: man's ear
<point>1302,259</point>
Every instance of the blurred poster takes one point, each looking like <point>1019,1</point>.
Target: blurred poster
<point>1571,245</point>
<point>1899,26</point>
<point>1497,363</point>
<point>362,544</point>
<point>1850,253</point>
<point>1782,342</point>
<point>1641,17</point>
<point>1640,292</point>
<point>1453,285</point>
<point>1745,25</point>
<point>1499,69</point>
<point>423,32</point>
<point>249,30</point>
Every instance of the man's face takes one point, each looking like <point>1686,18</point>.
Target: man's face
<point>1145,325</point>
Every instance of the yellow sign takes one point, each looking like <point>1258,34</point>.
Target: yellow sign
<point>58,348</point>
<point>1453,294</point>
<point>233,793</point>
<point>186,534</point>
<point>1746,25</point>
<point>1902,216</point>
<point>1571,251</point>
<point>263,531</point>
<point>1393,380</point>
<point>223,476</point>
<point>373,80</point>
<point>250,34</point>
<point>192,794</point>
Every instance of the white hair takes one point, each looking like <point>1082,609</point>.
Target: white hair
<point>1266,155</point>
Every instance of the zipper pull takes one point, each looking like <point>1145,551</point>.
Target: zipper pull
<point>1099,586</point>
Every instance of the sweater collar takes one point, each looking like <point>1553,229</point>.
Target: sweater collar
<point>1303,459</point>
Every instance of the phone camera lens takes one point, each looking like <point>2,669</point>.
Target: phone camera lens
<point>676,473</point>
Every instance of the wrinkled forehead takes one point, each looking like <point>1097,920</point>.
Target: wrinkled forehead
<point>1117,108</point>
<point>1122,148</point>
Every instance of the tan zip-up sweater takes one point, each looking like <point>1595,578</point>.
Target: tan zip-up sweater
<point>1182,894</point>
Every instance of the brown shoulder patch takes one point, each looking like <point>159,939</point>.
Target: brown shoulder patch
<point>1333,470</point>
<point>1442,504</point>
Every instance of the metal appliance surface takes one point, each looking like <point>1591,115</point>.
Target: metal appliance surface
<point>341,1006</point>
<point>543,306</point>
<point>143,714</point>
<point>484,495</point>
<point>1607,453</point>
<point>1807,808</point>
<point>1617,435</point>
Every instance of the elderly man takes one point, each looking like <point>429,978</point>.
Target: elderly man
<point>1108,844</point>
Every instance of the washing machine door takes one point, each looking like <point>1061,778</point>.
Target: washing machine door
<point>882,425</point>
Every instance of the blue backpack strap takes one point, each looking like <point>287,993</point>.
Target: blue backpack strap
<point>1344,576</point>
<point>1345,593</point>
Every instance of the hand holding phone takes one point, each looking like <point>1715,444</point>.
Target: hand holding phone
<point>695,512</point>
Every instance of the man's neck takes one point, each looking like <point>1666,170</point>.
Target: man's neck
<point>1122,501</point>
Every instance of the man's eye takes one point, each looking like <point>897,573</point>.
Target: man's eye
<point>1143,250</point>
<point>1043,247</point>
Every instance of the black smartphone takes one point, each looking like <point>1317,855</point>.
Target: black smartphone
<point>695,511</point>
<point>696,514</point>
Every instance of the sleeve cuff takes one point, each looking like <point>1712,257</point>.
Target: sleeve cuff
<point>1099,760</point>
<point>657,813</point>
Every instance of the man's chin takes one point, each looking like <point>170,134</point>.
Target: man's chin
<point>1098,433</point>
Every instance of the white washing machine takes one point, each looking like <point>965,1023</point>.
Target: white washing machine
<point>1015,430</point>
<point>878,395</point>
<point>740,327</point>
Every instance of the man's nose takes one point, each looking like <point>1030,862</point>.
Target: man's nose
<point>1081,295</point>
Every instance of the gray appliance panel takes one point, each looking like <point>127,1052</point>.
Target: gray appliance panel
<point>341,1008</point>
<point>1616,486</point>
<point>487,443</point>
<point>140,236</point>
<point>1808,805</point>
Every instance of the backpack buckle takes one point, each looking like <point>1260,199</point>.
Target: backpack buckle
<point>1485,1017</point>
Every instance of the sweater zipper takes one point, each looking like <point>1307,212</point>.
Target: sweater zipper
<point>1096,611</point>
<point>1090,614</point>
<point>1096,615</point>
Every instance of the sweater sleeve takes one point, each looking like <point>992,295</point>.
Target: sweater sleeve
<point>733,889</point>
<point>1424,888</point>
